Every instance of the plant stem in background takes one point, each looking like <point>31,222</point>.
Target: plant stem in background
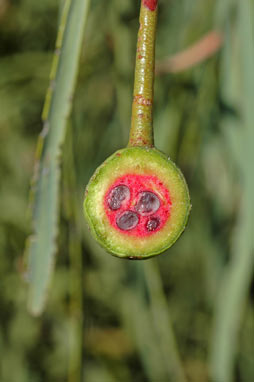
<point>42,244</point>
<point>141,133</point>
<point>70,210</point>
<point>163,328</point>
<point>231,300</point>
<point>144,301</point>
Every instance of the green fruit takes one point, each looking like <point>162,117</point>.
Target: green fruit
<point>137,203</point>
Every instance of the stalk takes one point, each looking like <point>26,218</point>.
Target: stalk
<point>141,132</point>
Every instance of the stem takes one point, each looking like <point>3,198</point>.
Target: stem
<point>141,133</point>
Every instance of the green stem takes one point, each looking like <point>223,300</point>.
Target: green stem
<point>141,133</point>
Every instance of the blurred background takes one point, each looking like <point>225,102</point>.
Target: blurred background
<point>187,315</point>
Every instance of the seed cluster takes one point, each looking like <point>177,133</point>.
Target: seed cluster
<point>137,205</point>
<point>148,203</point>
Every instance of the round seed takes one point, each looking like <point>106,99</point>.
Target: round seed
<point>128,220</point>
<point>147,204</point>
<point>117,196</point>
<point>152,224</point>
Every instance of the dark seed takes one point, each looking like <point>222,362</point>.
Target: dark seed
<point>148,203</point>
<point>128,220</point>
<point>117,196</point>
<point>152,224</point>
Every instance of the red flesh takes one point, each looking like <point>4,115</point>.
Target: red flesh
<point>136,185</point>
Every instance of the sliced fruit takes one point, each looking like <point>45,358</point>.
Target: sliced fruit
<point>137,203</point>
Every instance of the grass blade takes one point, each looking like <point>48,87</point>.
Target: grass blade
<point>237,277</point>
<point>144,302</point>
<point>163,328</point>
<point>42,244</point>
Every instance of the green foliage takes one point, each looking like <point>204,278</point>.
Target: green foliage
<point>42,243</point>
<point>109,319</point>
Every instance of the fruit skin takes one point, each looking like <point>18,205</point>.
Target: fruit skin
<point>143,161</point>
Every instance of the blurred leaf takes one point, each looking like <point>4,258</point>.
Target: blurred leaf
<point>237,276</point>
<point>42,244</point>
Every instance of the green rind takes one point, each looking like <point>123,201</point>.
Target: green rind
<point>137,160</point>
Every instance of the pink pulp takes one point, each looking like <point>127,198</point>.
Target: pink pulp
<point>136,185</point>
